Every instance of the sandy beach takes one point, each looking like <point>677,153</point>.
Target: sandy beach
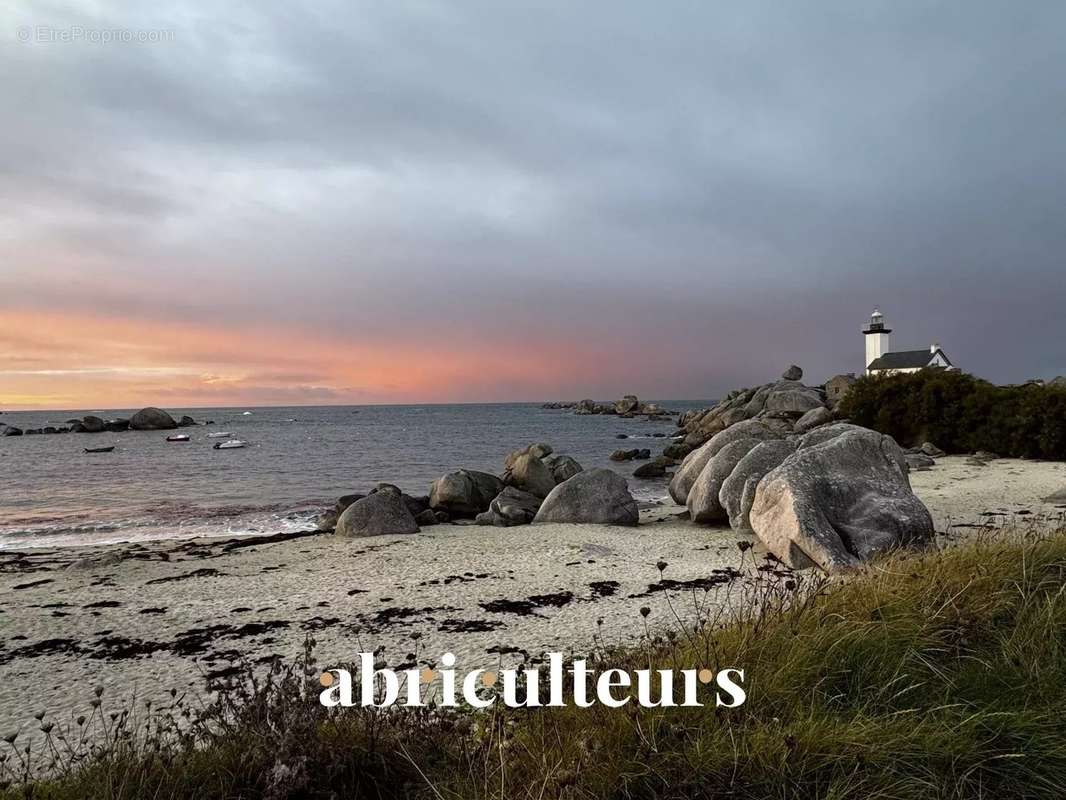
<point>140,619</point>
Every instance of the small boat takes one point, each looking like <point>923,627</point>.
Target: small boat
<point>232,444</point>
<point>178,437</point>
<point>99,449</point>
<point>220,435</point>
<point>246,414</point>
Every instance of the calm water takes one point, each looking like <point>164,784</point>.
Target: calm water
<point>299,460</point>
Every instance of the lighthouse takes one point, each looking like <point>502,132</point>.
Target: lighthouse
<point>876,335</point>
<point>882,361</point>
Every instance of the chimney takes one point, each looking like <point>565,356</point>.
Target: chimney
<point>934,347</point>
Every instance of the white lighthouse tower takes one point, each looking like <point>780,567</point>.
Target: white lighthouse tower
<point>876,335</point>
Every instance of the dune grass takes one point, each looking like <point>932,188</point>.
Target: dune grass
<point>933,675</point>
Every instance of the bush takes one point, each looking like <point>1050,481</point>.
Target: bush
<point>961,413</point>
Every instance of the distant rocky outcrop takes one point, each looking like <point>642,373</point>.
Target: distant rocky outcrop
<point>152,419</point>
<point>628,406</point>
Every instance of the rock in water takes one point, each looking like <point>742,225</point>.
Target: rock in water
<point>653,469</point>
<point>91,424</point>
<point>627,405</point>
<point>510,507</point>
<point>595,495</point>
<point>836,504</point>
<point>738,490</point>
<point>529,473</point>
<point>377,514</point>
<point>464,493</point>
<point>152,419</point>
<point>793,373</point>
<point>931,450</point>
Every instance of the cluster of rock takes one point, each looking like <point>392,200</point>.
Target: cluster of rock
<point>638,453</point>
<point>786,405</point>
<point>147,419</point>
<point>773,462</point>
<point>537,485</point>
<point>629,406</point>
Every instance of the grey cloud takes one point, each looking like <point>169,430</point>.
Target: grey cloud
<point>735,185</point>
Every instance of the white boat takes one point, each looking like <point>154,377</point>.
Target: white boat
<point>220,435</point>
<point>232,444</point>
<point>178,437</point>
<point>246,414</point>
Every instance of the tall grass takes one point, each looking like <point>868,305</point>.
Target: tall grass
<point>933,675</point>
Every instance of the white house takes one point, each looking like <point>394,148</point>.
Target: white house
<point>881,361</point>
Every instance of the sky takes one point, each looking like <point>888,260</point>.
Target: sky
<point>247,203</point>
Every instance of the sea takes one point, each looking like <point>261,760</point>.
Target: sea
<point>298,460</point>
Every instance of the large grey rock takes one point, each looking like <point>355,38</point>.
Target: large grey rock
<point>10,430</point>
<point>790,397</point>
<point>538,450</point>
<point>694,462</point>
<point>595,495</point>
<point>653,469</point>
<point>91,424</point>
<point>793,373</point>
<point>152,419</point>
<point>464,493</point>
<point>377,514</point>
<point>703,504</point>
<point>118,425</point>
<point>836,504</point>
<point>327,521</point>
<point>529,473</point>
<point>510,507</point>
<point>562,467</point>
<point>827,432</point>
<point>813,419</point>
<point>738,490</point>
<point>685,475</point>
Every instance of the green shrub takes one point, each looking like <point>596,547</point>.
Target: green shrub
<point>961,413</point>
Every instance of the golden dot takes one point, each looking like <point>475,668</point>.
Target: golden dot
<point>427,675</point>
<point>705,675</point>
<point>326,679</point>
<point>488,678</point>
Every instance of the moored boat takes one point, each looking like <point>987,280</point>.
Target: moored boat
<point>232,444</point>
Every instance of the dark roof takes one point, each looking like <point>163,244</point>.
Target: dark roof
<point>906,359</point>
